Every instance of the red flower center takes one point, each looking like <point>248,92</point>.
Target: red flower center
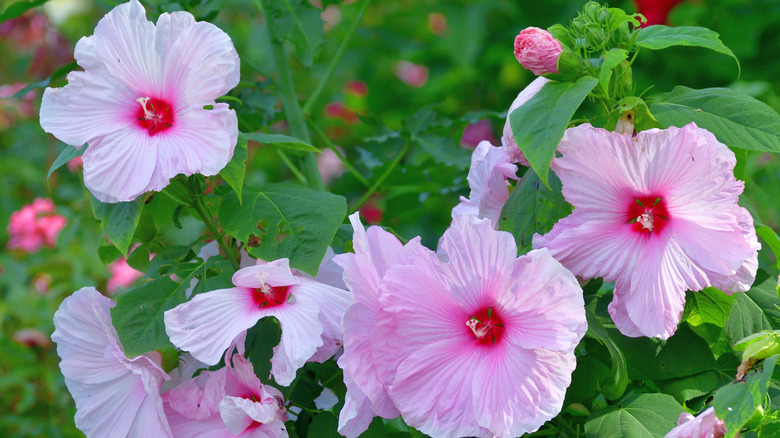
<point>270,296</point>
<point>647,214</point>
<point>486,326</point>
<point>154,115</point>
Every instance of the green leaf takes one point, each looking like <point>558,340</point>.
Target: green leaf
<point>538,125</point>
<point>769,236</point>
<point>736,402</point>
<point>532,208</point>
<point>444,151</point>
<point>324,425</point>
<point>684,354</point>
<point>709,306</point>
<point>689,387</point>
<point>66,155</point>
<point>283,141</point>
<point>235,170</point>
<point>118,220</point>
<point>260,342</point>
<point>283,220</point>
<point>643,415</point>
<point>614,387</point>
<point>736,119</point>
<point>755,310</point>
<point>138,315</point>
<point>612,58</point>
<point>18,8</point>
<point>300,23</point>
<point>659,37</point>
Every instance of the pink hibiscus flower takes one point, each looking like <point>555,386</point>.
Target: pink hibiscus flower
<point>114,395</point>
<point>34,226</point>
<point>309,313</point>
<point>657,214</point>
<point>375,251</point>
<point>704,425</point>
<point>139,103</point>
<point>482,344</point>
<point>508,138</point>
<point>491,167</point>
<point>229,402</point>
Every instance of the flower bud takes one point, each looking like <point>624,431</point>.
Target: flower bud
<point>537,50</point>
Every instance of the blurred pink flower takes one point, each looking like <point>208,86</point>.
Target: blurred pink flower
<point>32,338</point>
<point>114,395</point>
<point>13,109</point>
<point>309,313</point>
<point>75,164</point>
<point>437,23</point>
<point>657,214</point>
<point>35,225</point>
<point>122,275</point>
<point>225,403</point>
<point>656,11</point>
<point>372,212</point>
<point>337,110</point>
<point>413,75</point>
<point>357,88</point>
<point>476,132</point>
<point>490,169</point>
<point>508,139</point>
<point>488,348</point>
<point>139,102</point>
<point>537,50</point>
<point>329,165</point>
<point>41,282</point>
<point>704,425</point>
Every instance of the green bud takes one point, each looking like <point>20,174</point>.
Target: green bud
<point>170,358</point>
<point>759,346</point>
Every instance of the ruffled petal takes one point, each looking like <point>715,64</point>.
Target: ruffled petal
<point>545,308</point>
<point>89,107</point>
<point>356,415</point>
<point>195,144</point>
<point>490,169</point>
<point>206,325</point>
<point>517,390</point>
<point>301,336</point>
<point>118,167</point>
<point>239,413</point>
<point>745,275</point>
<point>332,303</point>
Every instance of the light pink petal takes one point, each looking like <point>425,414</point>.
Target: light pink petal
<point>206,325</point>
<point>195,144</point>
<point>479,257</point>
<point>746,274</point>
<point>508,139</point>
<point>546,308</point>
<point>198,398</point>
<point>332,303</point>
<point>329,272</point>
<point>201,63</point>
<point>183,427</point>
<point>274,429</point>
<point>124,42</point>
<point>649,300</point>
<point>590,246</point>
<point>517,390</point>
<point>704,425</point>
<point>90,106</point>
<point>118,167</point>
<point>239,413</point>
<point>433,389</point>
<point>301,336</point>
<point>490,169</point>
<point>356,415</point>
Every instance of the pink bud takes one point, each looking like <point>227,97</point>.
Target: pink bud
<point>357,88</point>
<point>537,50</point>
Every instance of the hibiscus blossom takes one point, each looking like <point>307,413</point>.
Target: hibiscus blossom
<point>226,403</point>
<point>657,214</point>
<point>35,225</point>
<point>141,101</point>
<point>375,251</point>
<point>480,345</point>
<point>491,167</point>
<point>308,311</point>
<point>704,425</point>
<point>115,396</point>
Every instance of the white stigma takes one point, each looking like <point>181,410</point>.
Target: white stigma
<point>478,332</point>
<point>646,220</point>
<point>264,287</point>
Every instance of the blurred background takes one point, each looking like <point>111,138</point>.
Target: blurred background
<point>443,71</point>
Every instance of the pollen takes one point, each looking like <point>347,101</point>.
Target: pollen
<point>647,214</point>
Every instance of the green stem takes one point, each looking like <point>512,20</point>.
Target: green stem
<point>292,108</point>
<point>381,179</point>
<point>291,166</point>
<point>204,213</point>
<point>317,131</point>
<point>315,95</point>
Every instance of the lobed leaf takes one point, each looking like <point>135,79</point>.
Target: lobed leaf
<point>659,37</point>
<point>755,310</point>
<point>643,415</point>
